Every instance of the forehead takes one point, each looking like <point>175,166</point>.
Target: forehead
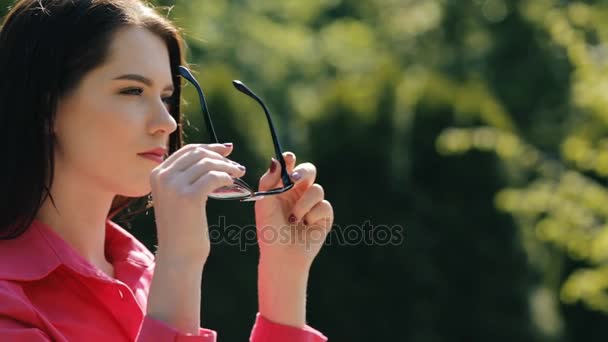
<point>137,50</point>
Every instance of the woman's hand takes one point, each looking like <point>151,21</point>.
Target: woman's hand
<point>292,226</point>
<point>291,229</point>
<point>180,188</point>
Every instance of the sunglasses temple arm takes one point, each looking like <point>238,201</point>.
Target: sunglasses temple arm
<point>190,78</point>
<point>207,115</point>
<point>275,140</point>
<point>273,191</point>
<point>277,146</point>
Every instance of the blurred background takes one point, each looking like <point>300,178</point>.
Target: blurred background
<point>467,140</point>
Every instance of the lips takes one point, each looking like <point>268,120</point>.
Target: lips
<point>155,154</point>
<point>159,151</point>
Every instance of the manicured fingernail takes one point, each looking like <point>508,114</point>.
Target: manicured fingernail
<point>273,165</point>
<point>296,176</point>
<point>292,219</point>
<point>242,168</point>
<point>228,144</point>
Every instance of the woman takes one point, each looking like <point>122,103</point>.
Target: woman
<point>87,88</point>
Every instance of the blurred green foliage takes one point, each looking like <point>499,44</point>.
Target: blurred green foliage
<point>479,126</point>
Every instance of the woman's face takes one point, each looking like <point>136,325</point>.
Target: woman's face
<point>112,116</point>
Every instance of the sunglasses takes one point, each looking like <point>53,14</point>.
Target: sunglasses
<point>240,190</point>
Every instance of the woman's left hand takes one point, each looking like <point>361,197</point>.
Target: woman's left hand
<point>292,226</point>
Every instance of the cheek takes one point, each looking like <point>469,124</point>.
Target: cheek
<point>101,144</point>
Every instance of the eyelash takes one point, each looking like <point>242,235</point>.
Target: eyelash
<point>139,91</point>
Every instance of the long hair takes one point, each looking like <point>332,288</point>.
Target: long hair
<point>46,47</point>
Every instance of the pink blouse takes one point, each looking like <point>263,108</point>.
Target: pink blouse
<point>48,292</point>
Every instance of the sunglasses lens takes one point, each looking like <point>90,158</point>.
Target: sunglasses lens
<point>239,189</point>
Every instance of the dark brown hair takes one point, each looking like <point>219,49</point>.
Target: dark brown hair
<point>46,47</point>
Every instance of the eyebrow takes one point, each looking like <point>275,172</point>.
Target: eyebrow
<point>142,79</point>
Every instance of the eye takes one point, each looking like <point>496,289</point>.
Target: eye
<point>132,91</point>
<point>139,91</point>
<point>167,99</point>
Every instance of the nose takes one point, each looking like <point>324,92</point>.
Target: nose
<point>163,121</point>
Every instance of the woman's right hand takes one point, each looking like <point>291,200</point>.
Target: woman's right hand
<point>180,189</point>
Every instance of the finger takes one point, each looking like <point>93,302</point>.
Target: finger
<point>196,154</point>
<point>222,149</point>
<point>322,214</point>
<point>210,182</point>
<point>203,166</point>
<point>290,161</point>
<point>313,195</point>
<point>270,179</point>
<point>304,175</point>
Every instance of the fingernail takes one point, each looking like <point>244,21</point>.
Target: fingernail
<point>292,219</point>
<point>228,144</point>
<point>242,168</point>
<point>273,165</point>
<point>296,176</point>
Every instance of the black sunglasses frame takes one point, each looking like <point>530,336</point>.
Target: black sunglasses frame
<point>240,86</point>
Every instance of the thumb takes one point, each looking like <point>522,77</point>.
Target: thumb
<point>272,177</point>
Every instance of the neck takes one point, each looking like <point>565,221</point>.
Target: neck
<point>79,217</point>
